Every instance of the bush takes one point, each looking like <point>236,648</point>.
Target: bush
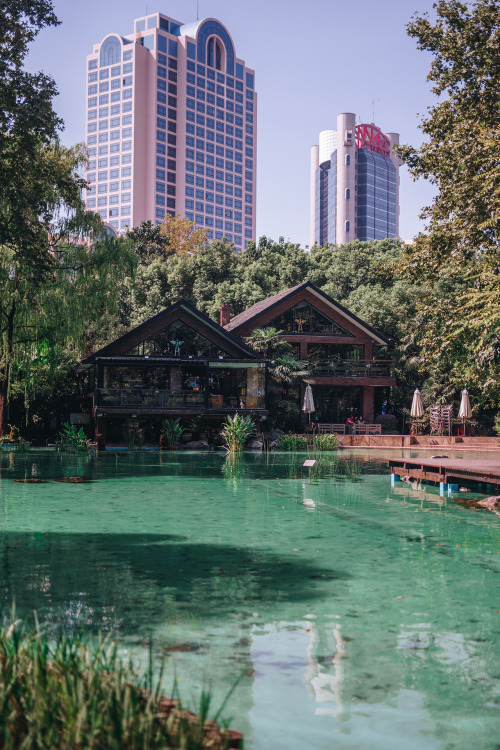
<point>389,423</point>
<point>73,440</point>
<point>496,424</point>
<point>292,442</point>
<point>171,433</point>
<point>284,415</point>
<point>325,442</point>
<point>67,695</point>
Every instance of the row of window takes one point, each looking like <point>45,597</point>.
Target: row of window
<point>94,64</point>
<point>112,162</point>
<point>112,173</point>
<point>115,72</point>
<point>113,201</point>
<point>219,76</point>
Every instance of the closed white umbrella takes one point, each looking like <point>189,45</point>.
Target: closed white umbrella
<point>308,405</point>
<point>417,409</point>
<point>465,411</point>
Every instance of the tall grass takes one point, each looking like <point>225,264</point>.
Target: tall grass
<point>326,442</point>
<point>67,696</point>
<point>290,442</point>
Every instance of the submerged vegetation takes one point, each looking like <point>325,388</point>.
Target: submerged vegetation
<point>67,694</point>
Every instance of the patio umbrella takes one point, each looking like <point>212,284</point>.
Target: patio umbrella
<point>308,405</point>
<point>417,410</point>
<point>465,411</point>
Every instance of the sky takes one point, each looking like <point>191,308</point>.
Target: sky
<point>312,60</point>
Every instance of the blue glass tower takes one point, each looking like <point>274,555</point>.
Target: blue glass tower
<point>354,184</point>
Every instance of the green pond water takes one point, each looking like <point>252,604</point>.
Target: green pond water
<point>348,614</point>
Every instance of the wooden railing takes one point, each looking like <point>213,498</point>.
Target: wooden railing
<point>349,429</point>
<point>357,368</point>
<point>124,398</point>
<point>153,398</point>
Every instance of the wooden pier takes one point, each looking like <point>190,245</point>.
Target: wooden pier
<point>448,471</point>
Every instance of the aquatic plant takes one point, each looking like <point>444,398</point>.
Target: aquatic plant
<point>236,431</point>
<point>72,440</point>
<point>69,695</point>
<point>325,442</point>
<point>171,431</point>
<point>291,442</point>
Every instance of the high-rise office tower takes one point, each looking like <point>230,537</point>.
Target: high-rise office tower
<point>171,127</point>
<point>354,184</point>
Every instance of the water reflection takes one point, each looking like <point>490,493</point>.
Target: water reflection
<point>348,611</point>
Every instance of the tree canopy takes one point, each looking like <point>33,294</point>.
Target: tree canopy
<point>459,251</point>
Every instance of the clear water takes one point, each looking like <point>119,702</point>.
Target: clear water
<point>350,615</point>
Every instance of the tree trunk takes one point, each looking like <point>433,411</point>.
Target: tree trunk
<point>4,383</point>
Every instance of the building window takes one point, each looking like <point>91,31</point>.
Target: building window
<point>347,194</point>
<point>347,226</point>
<point>214,53</point>
<point>347,159</point>
<point>110,52</point>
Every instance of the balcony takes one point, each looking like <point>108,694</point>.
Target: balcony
<point>167,400</point>
<point>138,398</point>
<point>352,368</point>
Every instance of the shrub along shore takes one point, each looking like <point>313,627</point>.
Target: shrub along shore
<point>70,695</point>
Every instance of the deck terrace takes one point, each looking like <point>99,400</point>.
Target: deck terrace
<point>447,470</point>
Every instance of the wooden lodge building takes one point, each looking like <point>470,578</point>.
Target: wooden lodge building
<point>340,348</point>
<point>180,363</point>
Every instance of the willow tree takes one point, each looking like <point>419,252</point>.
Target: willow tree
<point>50,322</point>
<point>459,332</point>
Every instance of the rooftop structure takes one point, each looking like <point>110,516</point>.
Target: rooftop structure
<point>354,184</point>
<point>171,127</point>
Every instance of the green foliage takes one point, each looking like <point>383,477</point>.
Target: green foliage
<point>149,242</point>
<point>283,414</point>
<point>290,442</point>
<point>496,423</point>
<point>172,431</point>
<point>235,432</point>
<point>73,440</point>
<point>325,442</point>
<point>68,694</point>
<point>456,260</point>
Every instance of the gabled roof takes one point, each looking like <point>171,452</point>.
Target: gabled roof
<point>253,313</point>
<point>153,324</point>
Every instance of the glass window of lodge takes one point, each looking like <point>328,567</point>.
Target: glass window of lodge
<point>178,340</point>
<point>304,318</point>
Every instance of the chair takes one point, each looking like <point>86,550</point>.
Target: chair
<point>446,419</point>
<point>435,420</point>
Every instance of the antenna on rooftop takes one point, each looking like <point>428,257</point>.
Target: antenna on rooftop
<point>374,101</point>
<point>197,10</point>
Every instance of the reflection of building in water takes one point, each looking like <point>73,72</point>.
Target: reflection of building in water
<point>324,674</point>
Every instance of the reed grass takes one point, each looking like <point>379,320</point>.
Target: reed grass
<point>290,442</point>
<point>69,695</point>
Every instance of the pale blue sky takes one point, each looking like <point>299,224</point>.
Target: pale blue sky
<point>312,60</point>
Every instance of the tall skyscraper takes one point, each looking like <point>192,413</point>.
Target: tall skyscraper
<point>354,184</point>
<point>171,127</point>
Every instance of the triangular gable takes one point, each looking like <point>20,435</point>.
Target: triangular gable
<point>303,317</point>
<point>259,314</point>
<point>182,313</point>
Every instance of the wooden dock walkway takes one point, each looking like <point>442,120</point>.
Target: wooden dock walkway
<point>448,470</point>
